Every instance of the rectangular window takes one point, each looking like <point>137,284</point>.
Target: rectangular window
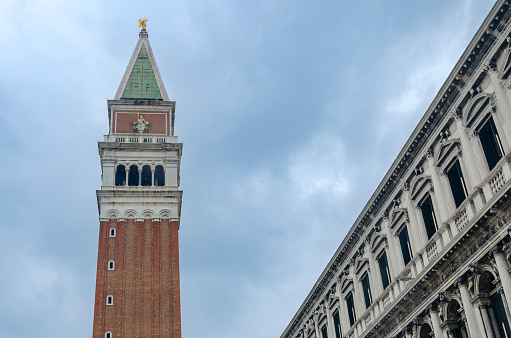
<point>406,248</point>
<point>457,182</point>
<point>490,141</point>
<point>337,325</point>
<point>428,215</point>
<point>351,309</point>
<point>384,269</point>
<point>324,333</point>
<point>367,291</point>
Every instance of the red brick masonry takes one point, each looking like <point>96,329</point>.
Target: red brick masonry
<point>144,284</point>
<point>159,122</point>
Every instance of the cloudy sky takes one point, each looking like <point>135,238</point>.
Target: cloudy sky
<point>290,112</point>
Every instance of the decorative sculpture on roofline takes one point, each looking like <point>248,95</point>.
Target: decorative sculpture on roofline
<point>142,23</point>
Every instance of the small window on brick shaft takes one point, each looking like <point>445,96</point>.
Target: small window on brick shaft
<point>159,176</point>
<point>457,182</point>
<point>112,232</point>
<point>111,265</point>
<point>109,300</point>
<point>147,176</point>
<point>120,175</point>
<point>490,141</point>
<point>133,176</point>
<point>108,334</point>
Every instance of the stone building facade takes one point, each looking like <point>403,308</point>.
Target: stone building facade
<point>430,254</point>
<point>137,283</point>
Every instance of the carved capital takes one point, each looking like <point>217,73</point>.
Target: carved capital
<point>490,67</point>
<point>461,281</point>
<point>457,114</point>
<point>428,154</point>
<point>405,187</point>
<point>497,249</point>
<point>433,307</point>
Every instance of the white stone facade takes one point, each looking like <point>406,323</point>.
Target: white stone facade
<point>430,253</point>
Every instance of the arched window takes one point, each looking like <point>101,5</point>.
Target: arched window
<point>133,176</point>
<point>111,265</point>
<point>109,300</point>
<point>120,175</point>
<point>112,232</point>
<point>159,176</point>
<point>147,176</point>
<point>108,334</point>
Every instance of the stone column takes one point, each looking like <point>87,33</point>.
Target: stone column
<point>435,321</point>
<point>503,133</point>
<point>486,321</point>
<point>473,173</point>
<point>506,307</point>
<point>501,98</point>
<point>468,308</point>
<point>315,321</point>
<point>152,176</point>
<point>140,177</point>
<point>449,333</point>
<point>330,321</point>
<point>502,267</point>
<point>407,332</point>
<point>413,231</point>
<point>494,323</point>
<point>439,191</point>
<point>374,280</point>
<point>127,174</point>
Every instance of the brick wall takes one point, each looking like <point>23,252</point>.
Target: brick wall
<point>145,282</point>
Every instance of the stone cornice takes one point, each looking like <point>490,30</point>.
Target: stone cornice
<point>438,112</point>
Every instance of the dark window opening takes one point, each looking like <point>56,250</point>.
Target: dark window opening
<point>457,182</point>
<point>108,335</point>
<point>324,333</point>
<point>120,176</point>
<point>428,215</point>
<point>159,176</point>
<point>147,176</point>
<point>112,232</point>
<point>384,269</point>
<point>337,325</point>
<point>109,300</point>
<point>111,265</point>
<point>490,141</point>
<point>133,176</point>
<point>367,291</point>
<point>351,309</point>
<point>406,248</point>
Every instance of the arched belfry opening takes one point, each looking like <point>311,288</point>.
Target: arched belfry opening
<point>133,176</point>
<point>120,175</point>
<point>159,176</point>
<point>147,176</point>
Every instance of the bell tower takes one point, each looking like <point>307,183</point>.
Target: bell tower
<point>137,282</point>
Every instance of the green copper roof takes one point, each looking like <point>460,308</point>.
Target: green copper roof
<point>142,82</point>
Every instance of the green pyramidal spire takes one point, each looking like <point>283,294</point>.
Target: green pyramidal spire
<point>142,79</point>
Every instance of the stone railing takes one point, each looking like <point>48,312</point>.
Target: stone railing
<point>140,138</point>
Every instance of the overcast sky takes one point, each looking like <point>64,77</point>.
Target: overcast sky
<point>290,113</point>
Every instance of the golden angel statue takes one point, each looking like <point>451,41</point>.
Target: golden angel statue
<point>142,23</point>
